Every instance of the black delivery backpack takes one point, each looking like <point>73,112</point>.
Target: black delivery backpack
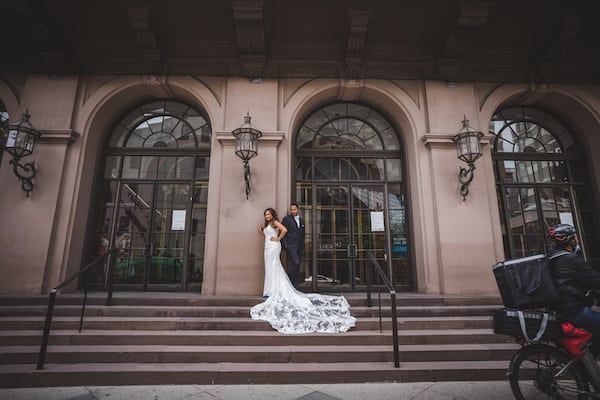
<point>526,283</point>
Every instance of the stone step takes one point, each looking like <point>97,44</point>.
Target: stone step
<point>252,354</point>
<point>253,338</point>
<point>195,299</point>
<point>230,311</point>
<point>184,323</point>
<point>175,338</point>
<point>100,374</point>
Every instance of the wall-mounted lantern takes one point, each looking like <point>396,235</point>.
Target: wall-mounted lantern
<point>20,142</point>
<point>3,132</point>
<point>246,146</point>
<point>468,146</point>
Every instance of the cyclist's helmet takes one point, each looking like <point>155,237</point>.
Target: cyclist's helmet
<point>562,234</point>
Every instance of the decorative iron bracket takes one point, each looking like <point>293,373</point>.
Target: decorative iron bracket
<point>25,178</point>
<point>465,176</point>
<point>247,177</point>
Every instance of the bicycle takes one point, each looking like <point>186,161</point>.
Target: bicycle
<point>565,369</point>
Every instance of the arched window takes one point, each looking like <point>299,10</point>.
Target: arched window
<point>350,180</point>
<point>154,188</point>
<point>541,180</point>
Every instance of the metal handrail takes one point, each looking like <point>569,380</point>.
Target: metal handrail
<point>52,300</point>
<point>373,261</point>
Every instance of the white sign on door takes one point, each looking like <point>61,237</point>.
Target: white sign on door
<point>178,221</point>
<point>377,221</point>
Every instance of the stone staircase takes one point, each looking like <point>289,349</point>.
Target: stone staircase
<point>185,338</point>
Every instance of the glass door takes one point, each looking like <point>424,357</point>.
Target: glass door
<point>369,230</point>
<point>348,222</point>
<point>151,231</point>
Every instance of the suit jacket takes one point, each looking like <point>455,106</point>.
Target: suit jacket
<point>295,234</point>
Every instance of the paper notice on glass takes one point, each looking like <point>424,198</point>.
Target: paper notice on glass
<point>377,221</point>
<point>566,218</point>
<point>178,221</point>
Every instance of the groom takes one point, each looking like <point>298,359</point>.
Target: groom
<point>293,242</point>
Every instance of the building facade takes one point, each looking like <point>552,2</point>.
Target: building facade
<point>144,161</point>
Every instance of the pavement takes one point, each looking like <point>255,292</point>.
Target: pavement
<point>496,390</point>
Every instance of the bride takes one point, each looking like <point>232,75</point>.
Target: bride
<point>285,308</point>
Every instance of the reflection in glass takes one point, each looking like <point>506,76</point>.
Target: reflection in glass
<point>111,168</point>
<point>148,167</point>
<point>131,166</point>
<point>202,168</point>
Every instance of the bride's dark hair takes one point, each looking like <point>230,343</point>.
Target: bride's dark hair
<point>273,213</point>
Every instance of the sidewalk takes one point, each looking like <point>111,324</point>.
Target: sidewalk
<point>497,390</point>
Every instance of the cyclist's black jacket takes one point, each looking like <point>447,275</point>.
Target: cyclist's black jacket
<point>573,277</point>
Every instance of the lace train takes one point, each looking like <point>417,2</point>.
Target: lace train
<point>321,313</point>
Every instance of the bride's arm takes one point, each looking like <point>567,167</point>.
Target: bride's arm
<point>282,231</point>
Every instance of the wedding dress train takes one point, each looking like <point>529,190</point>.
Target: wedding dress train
<point>291,311</point>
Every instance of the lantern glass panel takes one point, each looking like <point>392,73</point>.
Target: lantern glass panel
<point>18,143</point>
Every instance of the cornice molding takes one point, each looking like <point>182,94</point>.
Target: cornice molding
<point>267,138</point>
<point>58,136</point>
<point>444,140</point>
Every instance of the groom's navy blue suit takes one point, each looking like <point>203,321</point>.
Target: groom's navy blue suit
<point>293,243</point>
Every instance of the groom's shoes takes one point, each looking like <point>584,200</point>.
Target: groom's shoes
<point>265,297</point>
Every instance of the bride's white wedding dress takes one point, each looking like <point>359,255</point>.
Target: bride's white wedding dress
<point>291,311</point>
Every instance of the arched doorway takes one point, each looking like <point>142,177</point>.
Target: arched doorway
<point>152,196</point>
<point>350,182</point>
<point>542,179</point>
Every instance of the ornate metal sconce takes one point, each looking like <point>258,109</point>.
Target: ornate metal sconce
<point>246,144</point>
<point>19,143</point>
<point>468,146</point>
<point>3,131</point>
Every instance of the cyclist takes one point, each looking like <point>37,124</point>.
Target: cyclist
<point>574,277</point>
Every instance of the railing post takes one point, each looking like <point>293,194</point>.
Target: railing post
<point>369,272</point>
<point>44,345</point>
<point>111,262</point>
<point>395,331</point>
<point>379,303</point>
<point>83,308</point>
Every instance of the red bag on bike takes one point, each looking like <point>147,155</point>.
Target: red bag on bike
<point>573,338</point>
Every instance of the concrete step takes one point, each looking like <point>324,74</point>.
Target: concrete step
<point>195,299</point>
<point>230,311</point>
<point>179,338</point>
<point>99,374</point>
<point>234,323</point>
<point>249,338</point>
<point>252,354</point>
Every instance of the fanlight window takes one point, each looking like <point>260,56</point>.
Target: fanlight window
<point>347,126</point>
<point>525,130</point>
<point>162,124</point>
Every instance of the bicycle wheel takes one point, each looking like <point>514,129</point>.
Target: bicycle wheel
<point>543,372</point>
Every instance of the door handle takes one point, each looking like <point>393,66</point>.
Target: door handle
<point>148,249</point>
<point>352,250</point>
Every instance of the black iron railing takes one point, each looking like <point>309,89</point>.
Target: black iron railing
<point>371,260</point>
<point>52,299</point>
